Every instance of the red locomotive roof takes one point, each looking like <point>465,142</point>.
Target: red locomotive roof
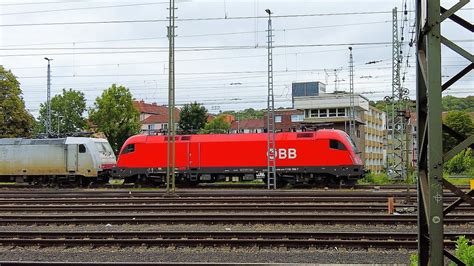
<point>295,149</point>
<point>320,134</point>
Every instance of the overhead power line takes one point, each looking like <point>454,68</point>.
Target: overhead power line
<point>192,49</point>
<point>42,3</point>
<point>199,35</point>
<point>193,19</point>
<point>80,8</point>
<point>185,47</point>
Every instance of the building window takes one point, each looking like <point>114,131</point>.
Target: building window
<point>341,112</point>
<point>332,112</point>
<point>297,118</point>
<point>306,112</point>
<point>323,112</point>
<point>278,119</point>
<point>164,126</point>
<point>313,113</point>
<point>151,127</point>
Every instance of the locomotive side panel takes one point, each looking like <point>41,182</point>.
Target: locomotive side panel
<point>22,160</point>
<point>308,155</point>
<point>46,160</point>
<point>232,154</point>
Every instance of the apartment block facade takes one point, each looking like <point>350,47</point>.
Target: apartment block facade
<point>333,111</point>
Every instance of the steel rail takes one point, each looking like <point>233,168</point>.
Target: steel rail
<point>143,200</point>
<point>207,194</point>
<point>199,238</point>
<point>216,207</point>
<point>220,186</point>
<point>265,218</point>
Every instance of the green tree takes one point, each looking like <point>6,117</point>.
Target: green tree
<point>216,126</point>
<point>114,115</point>
<point>460,163</point>
<point>451,103</point>
<point>248,113</point>
<point>66,112</point>
<point>192,118</point>
<point>460,122</point>
<point>15,121</point>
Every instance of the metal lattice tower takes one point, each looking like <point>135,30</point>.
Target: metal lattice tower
<point>352,126</point>
<point>431,157</point>
<point>171,152</point>
<point>398,102</point>
<point>48,97</point>
<point>271,143</point>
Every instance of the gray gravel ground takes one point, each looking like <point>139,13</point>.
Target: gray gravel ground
<point>239,255</point>
<point>233,227</point>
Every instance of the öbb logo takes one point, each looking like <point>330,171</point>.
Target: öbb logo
<point>283,153</point>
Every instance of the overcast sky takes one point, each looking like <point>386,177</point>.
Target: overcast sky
<point>221,56</point>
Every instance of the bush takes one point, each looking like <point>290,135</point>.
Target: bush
<point>376,179</point>
<point>464,251</point>
<point>414,259</point>
<point>460,163</point>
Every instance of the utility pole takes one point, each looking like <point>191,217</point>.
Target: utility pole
<point>48,97</point>
<point>351,96</point>
<point>430,17</point>
<point>271,145</point>
<point>398,103</point>
<point>171,152</point>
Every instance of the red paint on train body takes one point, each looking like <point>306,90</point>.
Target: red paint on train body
<point>296,152</point>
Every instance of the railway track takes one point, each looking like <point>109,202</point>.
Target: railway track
<point>204,200</point>
<point>217,218</point>
<point>229,185</point>
<point>221,238</point>
<point>216,207</point>
<point>59,193</point>
<point>203,197</point>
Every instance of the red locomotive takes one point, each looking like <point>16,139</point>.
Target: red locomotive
<point>323,155</point>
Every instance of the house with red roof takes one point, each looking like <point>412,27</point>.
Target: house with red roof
<point>154,117</point>
<point>247,126</point>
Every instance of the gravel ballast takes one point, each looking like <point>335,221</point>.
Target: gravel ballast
<point>232,255</point>
<point>232,227</point>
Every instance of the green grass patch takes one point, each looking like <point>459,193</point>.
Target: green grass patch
<point>464,252</point>
<point>375,179</point>
<point>459,181</point>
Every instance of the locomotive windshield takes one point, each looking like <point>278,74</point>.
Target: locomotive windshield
<point>353,145</point>
<point>104,148</point>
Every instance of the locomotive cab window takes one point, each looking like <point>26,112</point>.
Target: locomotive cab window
<point>82,148</point>
<point>129,148</point>
<point>336,144</point>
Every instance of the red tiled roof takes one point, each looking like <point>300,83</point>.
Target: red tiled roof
<point>156,119</point>
<point>248,124</point>
<point>159,113</point>
<point>226,117</point>
<point>210,117</point>
<point>152,108</point>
